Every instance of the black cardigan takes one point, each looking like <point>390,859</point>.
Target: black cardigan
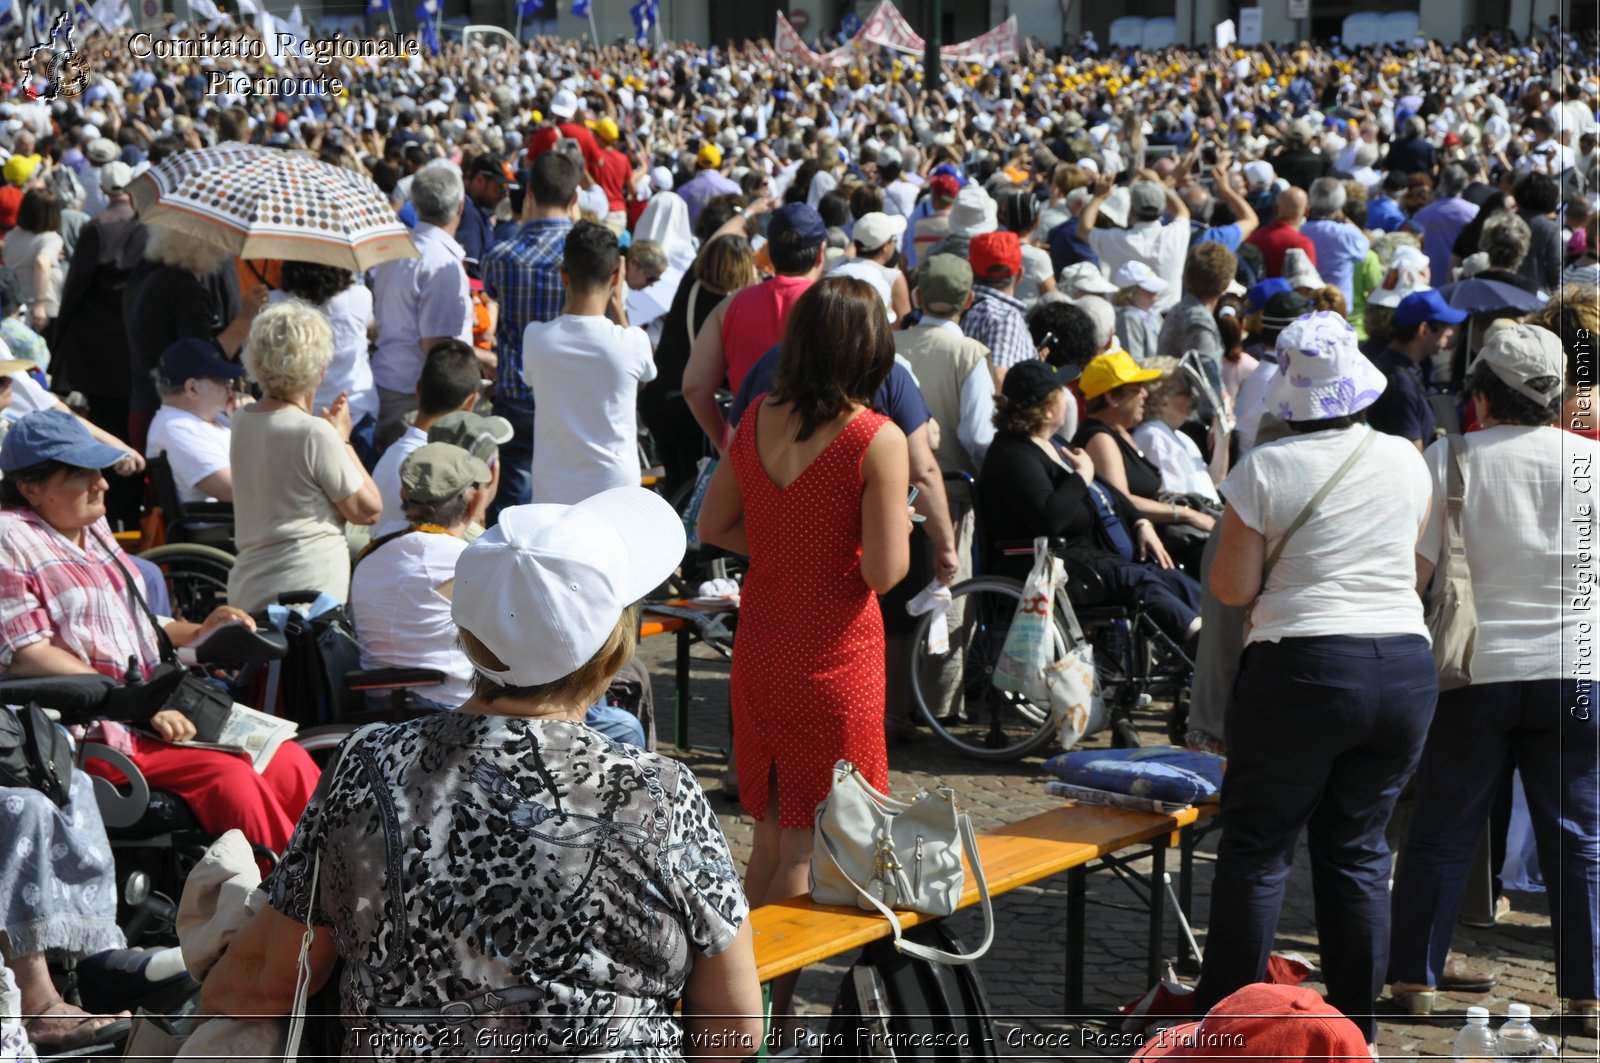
<point>1022,494</point>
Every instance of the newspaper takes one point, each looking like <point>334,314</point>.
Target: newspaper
<point>255,734</point>
<point>1210,404</point>
<point>1086,795</point>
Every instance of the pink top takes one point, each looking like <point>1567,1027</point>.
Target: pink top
<point>754,323</point>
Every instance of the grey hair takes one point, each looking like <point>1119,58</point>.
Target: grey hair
<point>437,193</point>
<point>1200,202</point>
<point>1327,195</point>
<point>1506,239</point>
<point>1452,181</point>
<point>1366,153</point>
<point>1104,317</point>
<point>289,349</point>
<point>1415,126</point>
<point>647,255</point>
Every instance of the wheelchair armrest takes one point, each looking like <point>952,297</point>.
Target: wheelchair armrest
<point>119,810</point>
<point>206,512</point>
<point>77,698</point>
<point>1024,547</point>
<point>1084,587</point>
<point>391,678</point>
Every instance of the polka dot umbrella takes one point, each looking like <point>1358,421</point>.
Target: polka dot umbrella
<point>266,203</point>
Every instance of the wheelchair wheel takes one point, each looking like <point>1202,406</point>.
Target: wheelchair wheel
<point>984,722</point>
<point>197,577</point>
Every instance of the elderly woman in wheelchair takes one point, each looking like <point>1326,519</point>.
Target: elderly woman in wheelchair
<point>1031,485</point>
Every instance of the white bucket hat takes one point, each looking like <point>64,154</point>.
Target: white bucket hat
<point>544,588</point>
<point>1298,270</point>
<point>974,214</point>
<point>1321,371</point>
<point>1134,273</point>
<point>1085,278</point>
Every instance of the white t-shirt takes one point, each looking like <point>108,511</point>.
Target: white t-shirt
<point>585,374</point>
<point>27,395</point>
<point>386,475</point>
<point>1351,568</point>
<point>1162,247</point>
<point>1036,270</point>
<point>401,618</point>
<point>1251,403</point>
<point>1183,467</point>
<point>195,448</point>
<point>1527,516</point>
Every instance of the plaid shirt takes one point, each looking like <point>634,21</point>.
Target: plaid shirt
<point>999,323</point>
<point>53,590</point>
<point>524,276</point>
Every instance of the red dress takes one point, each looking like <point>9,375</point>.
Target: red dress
<point>808,671</point>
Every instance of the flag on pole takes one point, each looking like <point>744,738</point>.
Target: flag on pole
<point>377,7</point>
<point>426,12</point>
<point>644,14</point>
<point>81,16</point>
<point>249,7</point>
<point>114,14</point>
<point>580,8</point>
<point>531,8</point>
<point>8,12</point>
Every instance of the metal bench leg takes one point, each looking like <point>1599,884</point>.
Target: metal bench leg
<point>1158,909</point>
<point>680,697</point>
<point>1077,896</point>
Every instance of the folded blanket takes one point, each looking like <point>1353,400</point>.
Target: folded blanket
<point>1160,773</point>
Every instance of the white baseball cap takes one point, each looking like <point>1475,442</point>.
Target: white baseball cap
<point>872,273</point>
<point>1133,272</point>
<point>543,589</point>
<point>876,228</point>
<point>564,105</point>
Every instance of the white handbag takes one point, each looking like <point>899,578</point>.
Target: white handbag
<point>880,854</point>
<point>1076,705</point>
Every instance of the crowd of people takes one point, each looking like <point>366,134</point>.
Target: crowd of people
<point>1201,315</point>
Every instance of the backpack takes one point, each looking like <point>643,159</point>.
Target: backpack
<point>321,650</point>
<point>891,1005</point>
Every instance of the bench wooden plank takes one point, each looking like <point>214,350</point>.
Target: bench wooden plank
<point>794,933</point>
<point>660,625</point>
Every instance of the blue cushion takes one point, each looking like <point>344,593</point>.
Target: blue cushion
<point>1165,773</point>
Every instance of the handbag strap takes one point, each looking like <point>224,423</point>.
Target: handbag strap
<point>133,579</point>
<point>694,297</point>
<point>969,844</point>
<point>1316,500</point>
<point>1455,496</point>
<point>302,975</point>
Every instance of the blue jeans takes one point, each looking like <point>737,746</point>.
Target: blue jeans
<point>516,455</point>
<point>1541,724</point>
<point>615,723</point>
<point>1322,734</point>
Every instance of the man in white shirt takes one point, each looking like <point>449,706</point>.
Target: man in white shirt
<point>195,383</point>
<point>421,301</point>
<point>1160,246</point>
<point>586,367</point>
<point>449,382</point>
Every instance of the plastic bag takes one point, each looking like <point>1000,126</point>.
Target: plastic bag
<point>1026,652</point>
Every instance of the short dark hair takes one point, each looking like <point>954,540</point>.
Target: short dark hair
<point>386,175</point>
<point>865,200</point>
<point>837,349</point>
<point>591,256</point>
<point>791,258</point>
<point>1507,405</point>
<point>835,209</point>
<point>313,281</point>
<point>1066,331</point>
<point>1022,420</point>
<point>449,375</point>
<point>718,211</point>
<point>1537,193</point>
<point>445,513</point>
<point>11,496</point>
<point>234,124</point>
<point>40,211</point>
<point>554,179</point>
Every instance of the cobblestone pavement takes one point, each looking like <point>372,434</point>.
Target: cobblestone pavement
<point>1024,971</point>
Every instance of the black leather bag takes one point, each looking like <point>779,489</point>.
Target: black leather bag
<point>35,753</point>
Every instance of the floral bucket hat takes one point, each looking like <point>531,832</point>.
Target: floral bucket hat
<point>1321,371</point>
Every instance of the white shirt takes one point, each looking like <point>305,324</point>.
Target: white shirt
<point>416,298</point>
<point>349,313</point>
<point>401,618</point>
<point>1251,403</point>
<point>1161,247</point>
<point>1528,514</point>
<point>585,374</point>
<point>1351,568</point>
<point>26,394</point>
<point>386,475</point>
<point>195,448</point>
<point>1183,467</point>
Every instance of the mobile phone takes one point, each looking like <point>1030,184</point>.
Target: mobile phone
<point>911,499</point>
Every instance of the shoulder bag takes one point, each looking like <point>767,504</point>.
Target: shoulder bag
<point>1303,516</point>
<point>1452,610</point>
<point>35,753</point>
<point>878,854</point>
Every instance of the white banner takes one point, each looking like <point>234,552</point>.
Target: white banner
<point>1250,26</point>
<point>1224,34</point>
<point>1299,8</point>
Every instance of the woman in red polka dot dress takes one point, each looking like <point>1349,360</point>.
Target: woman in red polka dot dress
<point>814,492</point>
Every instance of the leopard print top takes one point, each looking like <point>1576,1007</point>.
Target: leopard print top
<point>504,888</point>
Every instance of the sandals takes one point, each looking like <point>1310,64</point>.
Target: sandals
<point>80,1035</point>
<point>1415,999</point>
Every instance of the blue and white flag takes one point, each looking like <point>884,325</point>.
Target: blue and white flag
<point>580,8</point>
<point>427,11</point>
<point>8,12</point>
<point>530,8</point>
<point>645,13</point>
<point>80,15</point>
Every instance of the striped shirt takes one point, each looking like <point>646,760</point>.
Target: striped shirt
<point>523,275</point>
<point>51,589</point>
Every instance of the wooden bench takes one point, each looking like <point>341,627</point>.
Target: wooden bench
<point>651,624</point>
<point>1075,839</point>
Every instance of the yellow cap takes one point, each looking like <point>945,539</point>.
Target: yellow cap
<point>1112,370</point>
<point>19,168</point>
<point>607,130</point>
<point>710,156</point>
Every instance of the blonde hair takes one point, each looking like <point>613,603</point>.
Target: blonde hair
<point>289,349</point>
<point>581,687</point>
<point>1163,388</point>
<point>182,251</point>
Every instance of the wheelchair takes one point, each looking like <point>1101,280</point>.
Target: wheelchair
<point>1134,662</point>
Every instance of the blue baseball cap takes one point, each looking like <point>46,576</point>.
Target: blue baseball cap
<point>197,359</point>
<point>1426,305</point>
<point>797,224</point>
<point>1262,292</point>
<point>54,435</point>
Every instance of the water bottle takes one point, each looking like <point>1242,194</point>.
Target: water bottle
<point>1518,1040</point>
<point>1476,1042</point>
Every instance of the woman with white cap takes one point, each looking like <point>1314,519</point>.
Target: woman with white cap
<point>1337,685</point>
<point>1138,322</point>
<point>503,864</point>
